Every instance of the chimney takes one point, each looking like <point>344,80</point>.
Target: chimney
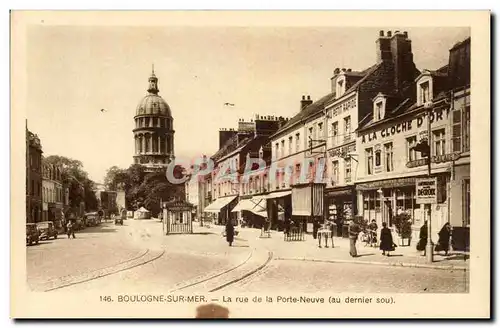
<point>402,57</point>
<point>383,47</point>
<point>225,135</point>
<point>304,103</point>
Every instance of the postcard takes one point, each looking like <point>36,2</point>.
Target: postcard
<point>250,164</point>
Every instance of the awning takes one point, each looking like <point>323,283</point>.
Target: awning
<point>219,204</point>
<point>278,194</point>
<point>259,212</point>
<point>244,204</point>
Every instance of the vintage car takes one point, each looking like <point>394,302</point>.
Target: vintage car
<point>32,234</point>
<point>92,219</point>
<point>46,230</point>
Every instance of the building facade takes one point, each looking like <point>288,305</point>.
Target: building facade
<point>231,180</point>
<point>433,110</point>
<point>34,197</point>
<point>154,131</point>
<point>53,194</point>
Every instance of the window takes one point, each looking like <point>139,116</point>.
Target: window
<point>466,127</point>
<point>406,202</point>
<point>461,129</point>
<point>335,132</point>
<point>282,148</point>
<point>335,173</point>
<point>297,142</point>
<point>439,142</point>
<point>369,160</point>
<point>378,111</point>
<point>297,173</point>
<point>290,140</point>
<point>277,149</point>
<point>388,149</point>
<point>347,164</point>
<point>347,128</point>
<point>424,92</point>
<point>378,158</point>
<point>466,202</point>
<point>411,153</point>
<point>320,130</point>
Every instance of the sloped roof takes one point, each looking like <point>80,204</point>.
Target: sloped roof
<point>319,105</point>
<point>232,145</point>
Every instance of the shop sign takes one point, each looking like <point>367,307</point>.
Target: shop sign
<point>434,159</point>
<point>426,191</point>
<point>342,151</point>
<point>436,116</point>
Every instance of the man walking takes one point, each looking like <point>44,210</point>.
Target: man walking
<point>70,230</point>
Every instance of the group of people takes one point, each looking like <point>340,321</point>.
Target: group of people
<point>443,241</point>
<point>387,244</point>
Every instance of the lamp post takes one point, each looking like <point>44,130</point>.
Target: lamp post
<point>429,249</point>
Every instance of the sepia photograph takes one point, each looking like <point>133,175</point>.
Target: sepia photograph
<point>209,165</point>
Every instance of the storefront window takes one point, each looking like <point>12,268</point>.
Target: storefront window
<point>377,158</point>
<point>406,202</point>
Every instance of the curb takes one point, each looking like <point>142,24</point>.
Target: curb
<point>146,257</point>
<point>395,264</point>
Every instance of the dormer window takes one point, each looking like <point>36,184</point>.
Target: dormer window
<point>379,107</point>
<point>424,88</point>
<point>340,86</point>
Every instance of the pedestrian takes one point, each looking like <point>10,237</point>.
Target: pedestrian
<point>373,227</point>
<point>422,243</point>
<point>229,232</point>
<point>444,239</point>
<point>386,243</point>
<point>354,230</point>
<point>316,226</point>
<point>70,230</point>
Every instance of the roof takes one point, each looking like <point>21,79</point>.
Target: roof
<point>153,104</point>
<point>234,144</point>
<point>460,44</point>
<point>319,105</point>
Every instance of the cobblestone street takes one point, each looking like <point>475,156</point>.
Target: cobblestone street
<point>136,257</point>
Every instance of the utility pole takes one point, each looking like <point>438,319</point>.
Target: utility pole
<point>429,249</point>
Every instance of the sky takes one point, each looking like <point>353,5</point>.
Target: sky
<point>75,71</point>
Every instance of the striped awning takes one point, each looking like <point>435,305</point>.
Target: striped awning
<point>219,204</point>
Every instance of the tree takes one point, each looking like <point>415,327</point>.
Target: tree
<point>110,179</point>
<point>80,187</point>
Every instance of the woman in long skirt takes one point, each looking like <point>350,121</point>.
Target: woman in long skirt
<point>444,239</point>
<point>386,243</point>
<point>422,238</point>
<point>229,232</point>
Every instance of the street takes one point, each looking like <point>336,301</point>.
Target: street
<point>136,257</point>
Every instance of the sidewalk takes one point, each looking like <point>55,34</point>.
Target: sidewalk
<point>308,250</point>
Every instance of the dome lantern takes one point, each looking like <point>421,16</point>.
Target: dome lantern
<point>153,83</point>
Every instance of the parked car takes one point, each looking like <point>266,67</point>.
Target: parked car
<point>32,234</point>
<point>92,219</point>
<point>46,230</point>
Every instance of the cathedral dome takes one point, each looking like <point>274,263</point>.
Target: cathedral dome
<point>153,104</point>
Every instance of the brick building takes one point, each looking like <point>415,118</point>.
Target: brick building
<point>52,194</point>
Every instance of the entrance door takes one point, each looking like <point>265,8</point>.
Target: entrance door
<point>387,208</point>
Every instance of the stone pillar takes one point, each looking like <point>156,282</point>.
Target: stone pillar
<point>143,144</point>
<point>158,149</point>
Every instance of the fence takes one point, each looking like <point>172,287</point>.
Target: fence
<point>295,234</point>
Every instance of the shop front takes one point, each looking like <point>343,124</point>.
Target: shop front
<point>279,208</point>
<point>308,204</point>
<point>341,207</point>
<point>221,208</point>
<point>383,200</point>
<point>251,211</point>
